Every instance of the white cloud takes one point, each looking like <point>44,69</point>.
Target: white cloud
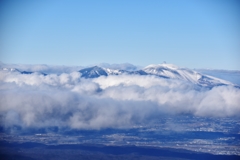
<point>66,100</point>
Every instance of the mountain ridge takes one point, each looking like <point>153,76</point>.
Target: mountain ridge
<point>167,71</point>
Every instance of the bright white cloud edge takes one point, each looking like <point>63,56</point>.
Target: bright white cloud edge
<point>67,100</point>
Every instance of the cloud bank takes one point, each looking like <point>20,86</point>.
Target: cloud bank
<point>67,100</point>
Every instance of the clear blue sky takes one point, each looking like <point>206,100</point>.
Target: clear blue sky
<point>188,33</point>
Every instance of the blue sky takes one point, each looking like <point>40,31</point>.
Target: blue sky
<point>188,33</point>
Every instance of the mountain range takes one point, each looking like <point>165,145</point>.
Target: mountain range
<point>167,71</point>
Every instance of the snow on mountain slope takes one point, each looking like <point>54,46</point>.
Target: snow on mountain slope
<point>93,72</point>
<point>119,72</point>
<point>228,75</point>
<point>174,72</point>
<point>114,71</point>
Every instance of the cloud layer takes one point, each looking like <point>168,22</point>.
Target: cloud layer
<point>66,100</point>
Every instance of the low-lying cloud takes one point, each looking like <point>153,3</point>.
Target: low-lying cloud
<point>67,100</point>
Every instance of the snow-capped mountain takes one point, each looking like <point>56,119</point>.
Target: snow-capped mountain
<point>168,71</point>
<point>174,72</point>
<point>94,72</point>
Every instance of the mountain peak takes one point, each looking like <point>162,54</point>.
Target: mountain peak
<point>173,72</point>
<point>93,72</point>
